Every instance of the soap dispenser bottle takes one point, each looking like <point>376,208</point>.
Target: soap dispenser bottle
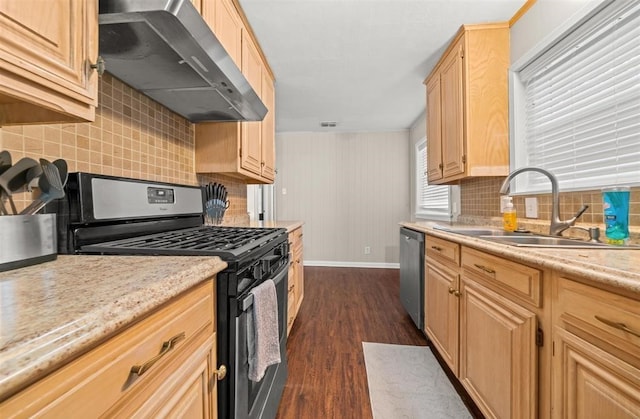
<point>509,219</point>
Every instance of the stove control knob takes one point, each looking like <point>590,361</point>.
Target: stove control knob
<point>282,250</point>
<point>257,271</point>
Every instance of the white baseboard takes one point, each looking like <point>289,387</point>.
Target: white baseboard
<point>334,264</point>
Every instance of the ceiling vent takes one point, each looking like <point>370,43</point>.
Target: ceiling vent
<point>328,124</point>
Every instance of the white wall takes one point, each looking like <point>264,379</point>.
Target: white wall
<point>350,189</point>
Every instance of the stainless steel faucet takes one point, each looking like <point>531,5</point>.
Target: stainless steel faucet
<point>557,226</point>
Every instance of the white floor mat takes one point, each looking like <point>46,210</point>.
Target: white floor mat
<point>406,382</point>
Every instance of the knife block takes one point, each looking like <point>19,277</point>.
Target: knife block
<point>27,240</point>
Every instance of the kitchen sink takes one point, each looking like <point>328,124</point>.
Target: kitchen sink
<point>477,232</point>
<point>524,239</point>
<point>545,241</point>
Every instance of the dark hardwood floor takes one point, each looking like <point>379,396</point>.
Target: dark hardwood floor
<point>342,308</point>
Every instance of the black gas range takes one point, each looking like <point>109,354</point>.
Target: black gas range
<point>120,216</point>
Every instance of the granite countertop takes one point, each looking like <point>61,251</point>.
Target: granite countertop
<point>53,312</point>
<point>613,269</point>
<point>289,225</point>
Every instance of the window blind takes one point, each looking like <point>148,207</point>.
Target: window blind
<point>432,199</point>
<point>582,104</point>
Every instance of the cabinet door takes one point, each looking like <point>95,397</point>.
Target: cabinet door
<point>251,158</point>
<point>498,353</point>
<point>590,383</point>
<point>299,277</point>
<point>434,130</point>
<point>441,312</point>
<point>185,394</point>
<point>268,139</point>
<point>44,61</point>
<point>227,27</point>
<point>452,96</point>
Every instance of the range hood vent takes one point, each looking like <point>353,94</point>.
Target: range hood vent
<point>164,49</point>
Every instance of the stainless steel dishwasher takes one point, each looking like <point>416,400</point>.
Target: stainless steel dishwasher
<point>412,274</point>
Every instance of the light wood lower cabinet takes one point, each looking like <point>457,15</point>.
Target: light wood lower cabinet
<point>442,307</point>
<point>174,352</point>
<point>482,314</point>
<point>45,61</point>
<point>498,353</point>
<point>296,276</point>
<point>596,363</point>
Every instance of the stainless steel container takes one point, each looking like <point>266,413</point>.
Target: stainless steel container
<point>27,240</point>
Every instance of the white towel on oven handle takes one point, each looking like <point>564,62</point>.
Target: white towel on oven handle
<point>262,330</point>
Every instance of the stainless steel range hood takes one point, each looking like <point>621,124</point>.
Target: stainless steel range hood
<point>164,49</point>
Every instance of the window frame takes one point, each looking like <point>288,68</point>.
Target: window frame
<point>517,98</point>
<point>453,196</point>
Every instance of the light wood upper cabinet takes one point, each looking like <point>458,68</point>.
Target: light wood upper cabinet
<point>268,138</point>
<point>45,58</point>
<point>227,26</point>
<point>251,149</point>
<point>596,363</point>
<point>467,106</point>
<point>434,131</point>
<point>243,150</point>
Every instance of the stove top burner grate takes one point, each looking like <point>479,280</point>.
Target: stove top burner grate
<point>200,238</point>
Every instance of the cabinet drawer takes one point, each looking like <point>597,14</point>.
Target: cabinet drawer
<point>443,250</point>
<point>610,317</point>
<point>522,282</point>
<point>91,384</point>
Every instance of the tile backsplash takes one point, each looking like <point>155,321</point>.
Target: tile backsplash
<point>132,136</point>
<point>480,199</point>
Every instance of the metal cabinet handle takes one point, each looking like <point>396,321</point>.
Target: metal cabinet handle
<point>166,347</point>
<point>454,292</point>
<point>221,372</point>
<point>484,268</point>
<point>618,325</point>
<point>437,248</point>
<point>451,290</point>
<point>99,66</point>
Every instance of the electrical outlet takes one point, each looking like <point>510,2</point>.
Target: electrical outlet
<point>367,250</point>
<point>284,191</point>
<point>531,207</point>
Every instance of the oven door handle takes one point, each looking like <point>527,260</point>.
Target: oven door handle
<point>247,302</point>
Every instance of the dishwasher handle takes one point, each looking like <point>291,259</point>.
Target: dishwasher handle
<point>409,234</point>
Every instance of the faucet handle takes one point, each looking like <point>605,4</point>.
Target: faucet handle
<point>581,211</point>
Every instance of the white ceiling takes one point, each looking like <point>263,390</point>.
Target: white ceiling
<point>360,63</point>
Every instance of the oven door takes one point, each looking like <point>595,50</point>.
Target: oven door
<point>261,399</point>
